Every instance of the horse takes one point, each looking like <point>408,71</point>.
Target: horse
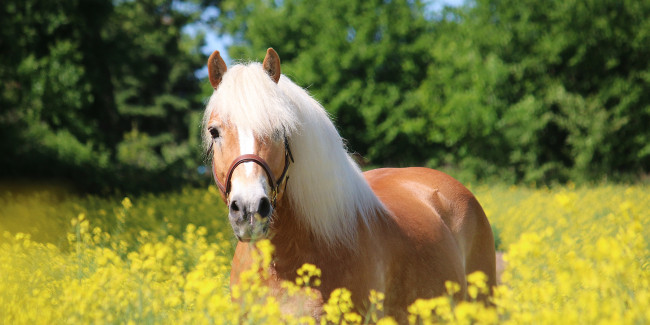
<point>285,175</point>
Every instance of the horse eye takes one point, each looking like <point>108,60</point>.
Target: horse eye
<point>214,132</point>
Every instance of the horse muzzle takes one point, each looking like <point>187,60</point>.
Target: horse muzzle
<point>250,219</point>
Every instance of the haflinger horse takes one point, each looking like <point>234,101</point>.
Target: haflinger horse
<point>285,174</point>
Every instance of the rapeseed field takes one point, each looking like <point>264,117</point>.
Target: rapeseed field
<point>573,255</point>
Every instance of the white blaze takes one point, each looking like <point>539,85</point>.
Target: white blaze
<point>246,146</point>
<point>248,188</point>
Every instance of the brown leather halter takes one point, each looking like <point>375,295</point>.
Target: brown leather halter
<point>275,184</point>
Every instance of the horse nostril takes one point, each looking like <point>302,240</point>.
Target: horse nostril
<point>264,209</point>
<point>233,206</point>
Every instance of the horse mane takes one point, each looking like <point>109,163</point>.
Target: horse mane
<point>249,99</point>
<point>327,189</point>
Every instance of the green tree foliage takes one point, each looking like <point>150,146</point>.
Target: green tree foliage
<point>98,92</point>
<point>521,90</point>
<point>103,92</point>
<point>553,90</point>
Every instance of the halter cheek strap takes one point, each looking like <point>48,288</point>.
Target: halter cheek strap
<point>275,184</point>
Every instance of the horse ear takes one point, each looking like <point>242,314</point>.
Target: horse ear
<point>216,69</point>
<point>271,64</point>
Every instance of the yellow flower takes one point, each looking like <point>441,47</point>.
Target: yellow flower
<point>574,254</point>
<point>126,203</point>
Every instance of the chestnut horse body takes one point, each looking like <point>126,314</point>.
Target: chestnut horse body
<point>402,231</point>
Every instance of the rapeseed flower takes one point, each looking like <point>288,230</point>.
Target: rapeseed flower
<point>573,255</point>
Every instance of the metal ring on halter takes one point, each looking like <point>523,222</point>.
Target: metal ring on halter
<point>275,184</point>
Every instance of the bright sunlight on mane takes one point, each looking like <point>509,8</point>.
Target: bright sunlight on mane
<point>249,99</point>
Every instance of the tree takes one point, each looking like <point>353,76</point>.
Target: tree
<point>98,92</point>
<point>519,90</point>
<point>560,88</point>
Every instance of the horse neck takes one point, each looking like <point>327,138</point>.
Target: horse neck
<point>295,244</point>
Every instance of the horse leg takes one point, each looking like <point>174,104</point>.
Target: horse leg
<point>481,254</point>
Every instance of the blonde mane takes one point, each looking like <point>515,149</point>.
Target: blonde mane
<point>326,188</point>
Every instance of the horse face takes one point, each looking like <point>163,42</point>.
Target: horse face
<point>244,163</point>
<point>250,199</point>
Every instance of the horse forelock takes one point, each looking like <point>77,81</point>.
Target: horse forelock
<point>249,99</point>
<point>327,189</point>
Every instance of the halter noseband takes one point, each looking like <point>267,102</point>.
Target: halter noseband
<point>275,184</point>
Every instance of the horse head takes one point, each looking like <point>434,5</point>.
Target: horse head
<point>249,165</point>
